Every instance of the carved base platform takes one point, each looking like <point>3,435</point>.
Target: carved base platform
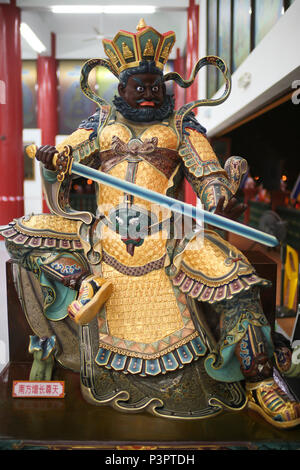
<point>72,423</point>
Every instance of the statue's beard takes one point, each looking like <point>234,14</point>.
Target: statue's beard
<point>145,114</point>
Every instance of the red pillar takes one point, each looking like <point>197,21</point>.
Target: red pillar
<point>47,99</point>
<point>192,48</point>
<point>179,92</point>
<point>11,116</point>
<point>191,59</point>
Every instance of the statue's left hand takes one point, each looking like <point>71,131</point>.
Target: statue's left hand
<point>233,210</point>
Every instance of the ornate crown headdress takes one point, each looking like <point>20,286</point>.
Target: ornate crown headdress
<point>127,49</point>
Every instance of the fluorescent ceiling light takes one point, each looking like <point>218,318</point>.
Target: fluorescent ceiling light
<point>31,38</point>
<point>76,9</point>
<point>84,9</point>
<point>129,9</point>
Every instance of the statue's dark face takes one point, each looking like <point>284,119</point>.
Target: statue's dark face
<point>144,98</point>
<point>144,90</point>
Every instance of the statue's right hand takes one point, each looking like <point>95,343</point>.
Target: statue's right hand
<point>45,155</point>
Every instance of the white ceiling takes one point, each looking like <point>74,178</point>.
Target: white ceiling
<point>76,34</point>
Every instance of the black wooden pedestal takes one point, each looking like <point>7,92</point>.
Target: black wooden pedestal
<point>72,423</point>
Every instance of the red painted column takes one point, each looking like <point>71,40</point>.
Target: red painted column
<point>192,48</point>
<point>11,116</point>
<point>179,92</point>
<point>191,59</point>
<point>47,99</point>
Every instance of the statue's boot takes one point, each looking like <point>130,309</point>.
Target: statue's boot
<point>94,292</point>
<point>264,394</point>
<point>273,404</point>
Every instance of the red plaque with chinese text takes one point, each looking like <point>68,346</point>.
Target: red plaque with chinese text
<point>38,389</point>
